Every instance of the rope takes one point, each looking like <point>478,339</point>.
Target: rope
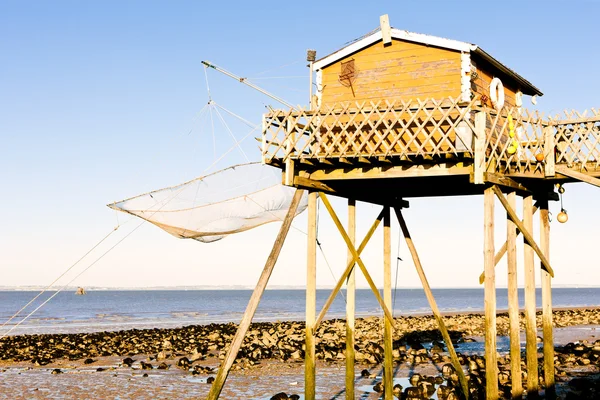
<point>250,124</point>
<point>282,66</point>
<point>232,135</point>
<point>68,283</point>
<point>57,279</point>
<point>398,259</point>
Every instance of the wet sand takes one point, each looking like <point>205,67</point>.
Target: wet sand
<point>261,371</point>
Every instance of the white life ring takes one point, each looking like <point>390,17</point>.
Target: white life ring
<point>497,93</point>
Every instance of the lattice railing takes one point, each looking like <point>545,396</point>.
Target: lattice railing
<point>407,129</point>
<point>516,140</point>
<point>577,140</point>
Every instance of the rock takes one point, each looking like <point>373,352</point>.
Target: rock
<point>100,369</point>
<point>280,396</point>
<point>163,365</point>
<point>364,373</point>
<point>415,379</point>
<point>145,365</point>
<point>128,362</point>
<point>145,375</point>
<point>88,361</point>
<point>210,379</point>
<point>184,363</point>
<point>397,390</point>
<point>294,397</point>
<point>378,387</point>
<point>56,371</point>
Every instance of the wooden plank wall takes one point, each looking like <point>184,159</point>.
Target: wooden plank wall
<point>403,70</point>
<point>481,85</point>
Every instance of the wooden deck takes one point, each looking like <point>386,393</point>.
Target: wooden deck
<point>429,148</point>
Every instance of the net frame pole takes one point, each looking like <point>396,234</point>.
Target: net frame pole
<point>238,339</point>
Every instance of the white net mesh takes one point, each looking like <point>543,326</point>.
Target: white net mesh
<point>211,207</point>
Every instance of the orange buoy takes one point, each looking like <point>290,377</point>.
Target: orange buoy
<point>562,216</point>
<point>539,157</point>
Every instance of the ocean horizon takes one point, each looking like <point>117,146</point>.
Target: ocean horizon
<point>109,309</point>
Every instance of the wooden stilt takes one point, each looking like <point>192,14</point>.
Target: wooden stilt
<point>547,305</point>
<point>350,304</point>
<point>311,299</point>
<point>513,304</point>
<point>530,326</point>
<point>432,303</point>
<point>388,374</point>
<point>491,364</point>
<point>238,339</point>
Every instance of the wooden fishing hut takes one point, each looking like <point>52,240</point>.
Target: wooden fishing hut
<point>400,115</point>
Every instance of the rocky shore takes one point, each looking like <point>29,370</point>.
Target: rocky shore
<point>197,350</point>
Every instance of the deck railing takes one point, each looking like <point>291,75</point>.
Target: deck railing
<point>514,140</point>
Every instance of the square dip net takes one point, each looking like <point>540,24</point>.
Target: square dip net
<point>211,207</point>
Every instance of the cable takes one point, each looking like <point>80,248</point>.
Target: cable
<point>398,259</point>
<point>57,279</point>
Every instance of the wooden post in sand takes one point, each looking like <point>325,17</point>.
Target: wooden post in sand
<point>547,304</point>
<point>513,304</point>
<point>388,372</point>
<point>311,299</point>
<point>491,364</point>
<point>238,339</point>
<point>350,304</point>
<point>530,324</point>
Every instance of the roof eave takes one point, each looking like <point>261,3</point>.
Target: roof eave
<point>526,86</point>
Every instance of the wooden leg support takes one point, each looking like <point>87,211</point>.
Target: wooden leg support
<point>547,306</point>
<point>388,361</point>
<point>513,305</point>
<point>530,325</point>
<point>432,302</point>
<point>238,339</point>
<point>491,363</point>
<point>311,299</point>
<point>350,304</point>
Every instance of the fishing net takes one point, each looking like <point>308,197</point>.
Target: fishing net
<point>211,207</point>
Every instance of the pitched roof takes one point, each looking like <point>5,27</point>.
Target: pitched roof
<point>375,36</point>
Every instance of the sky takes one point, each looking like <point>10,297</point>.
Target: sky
<point>101,101</point>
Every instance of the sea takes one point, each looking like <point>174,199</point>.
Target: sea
<point>102,310</point>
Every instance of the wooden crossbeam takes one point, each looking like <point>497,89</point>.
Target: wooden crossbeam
<point>503,180</point>
<point>577,175</point>
<point>355,254</point>
<point>347,271</point>
<point>526,234</point>
<point>238,339</point>
<point>432,303</point>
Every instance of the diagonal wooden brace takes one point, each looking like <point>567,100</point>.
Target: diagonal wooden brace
<point>503,250</point>
<point>347,271</point>
<point>578,175</point>
<point>238,339</point>
<point>356,256</point>
<point>526,234</point>
<point>432,303</point>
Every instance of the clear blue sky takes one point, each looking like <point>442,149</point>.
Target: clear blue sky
<point>97,103</point>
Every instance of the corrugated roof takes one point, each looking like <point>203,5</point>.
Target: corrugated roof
<point>375,36</point>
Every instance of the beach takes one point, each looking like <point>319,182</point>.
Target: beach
<point>125,364</point>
